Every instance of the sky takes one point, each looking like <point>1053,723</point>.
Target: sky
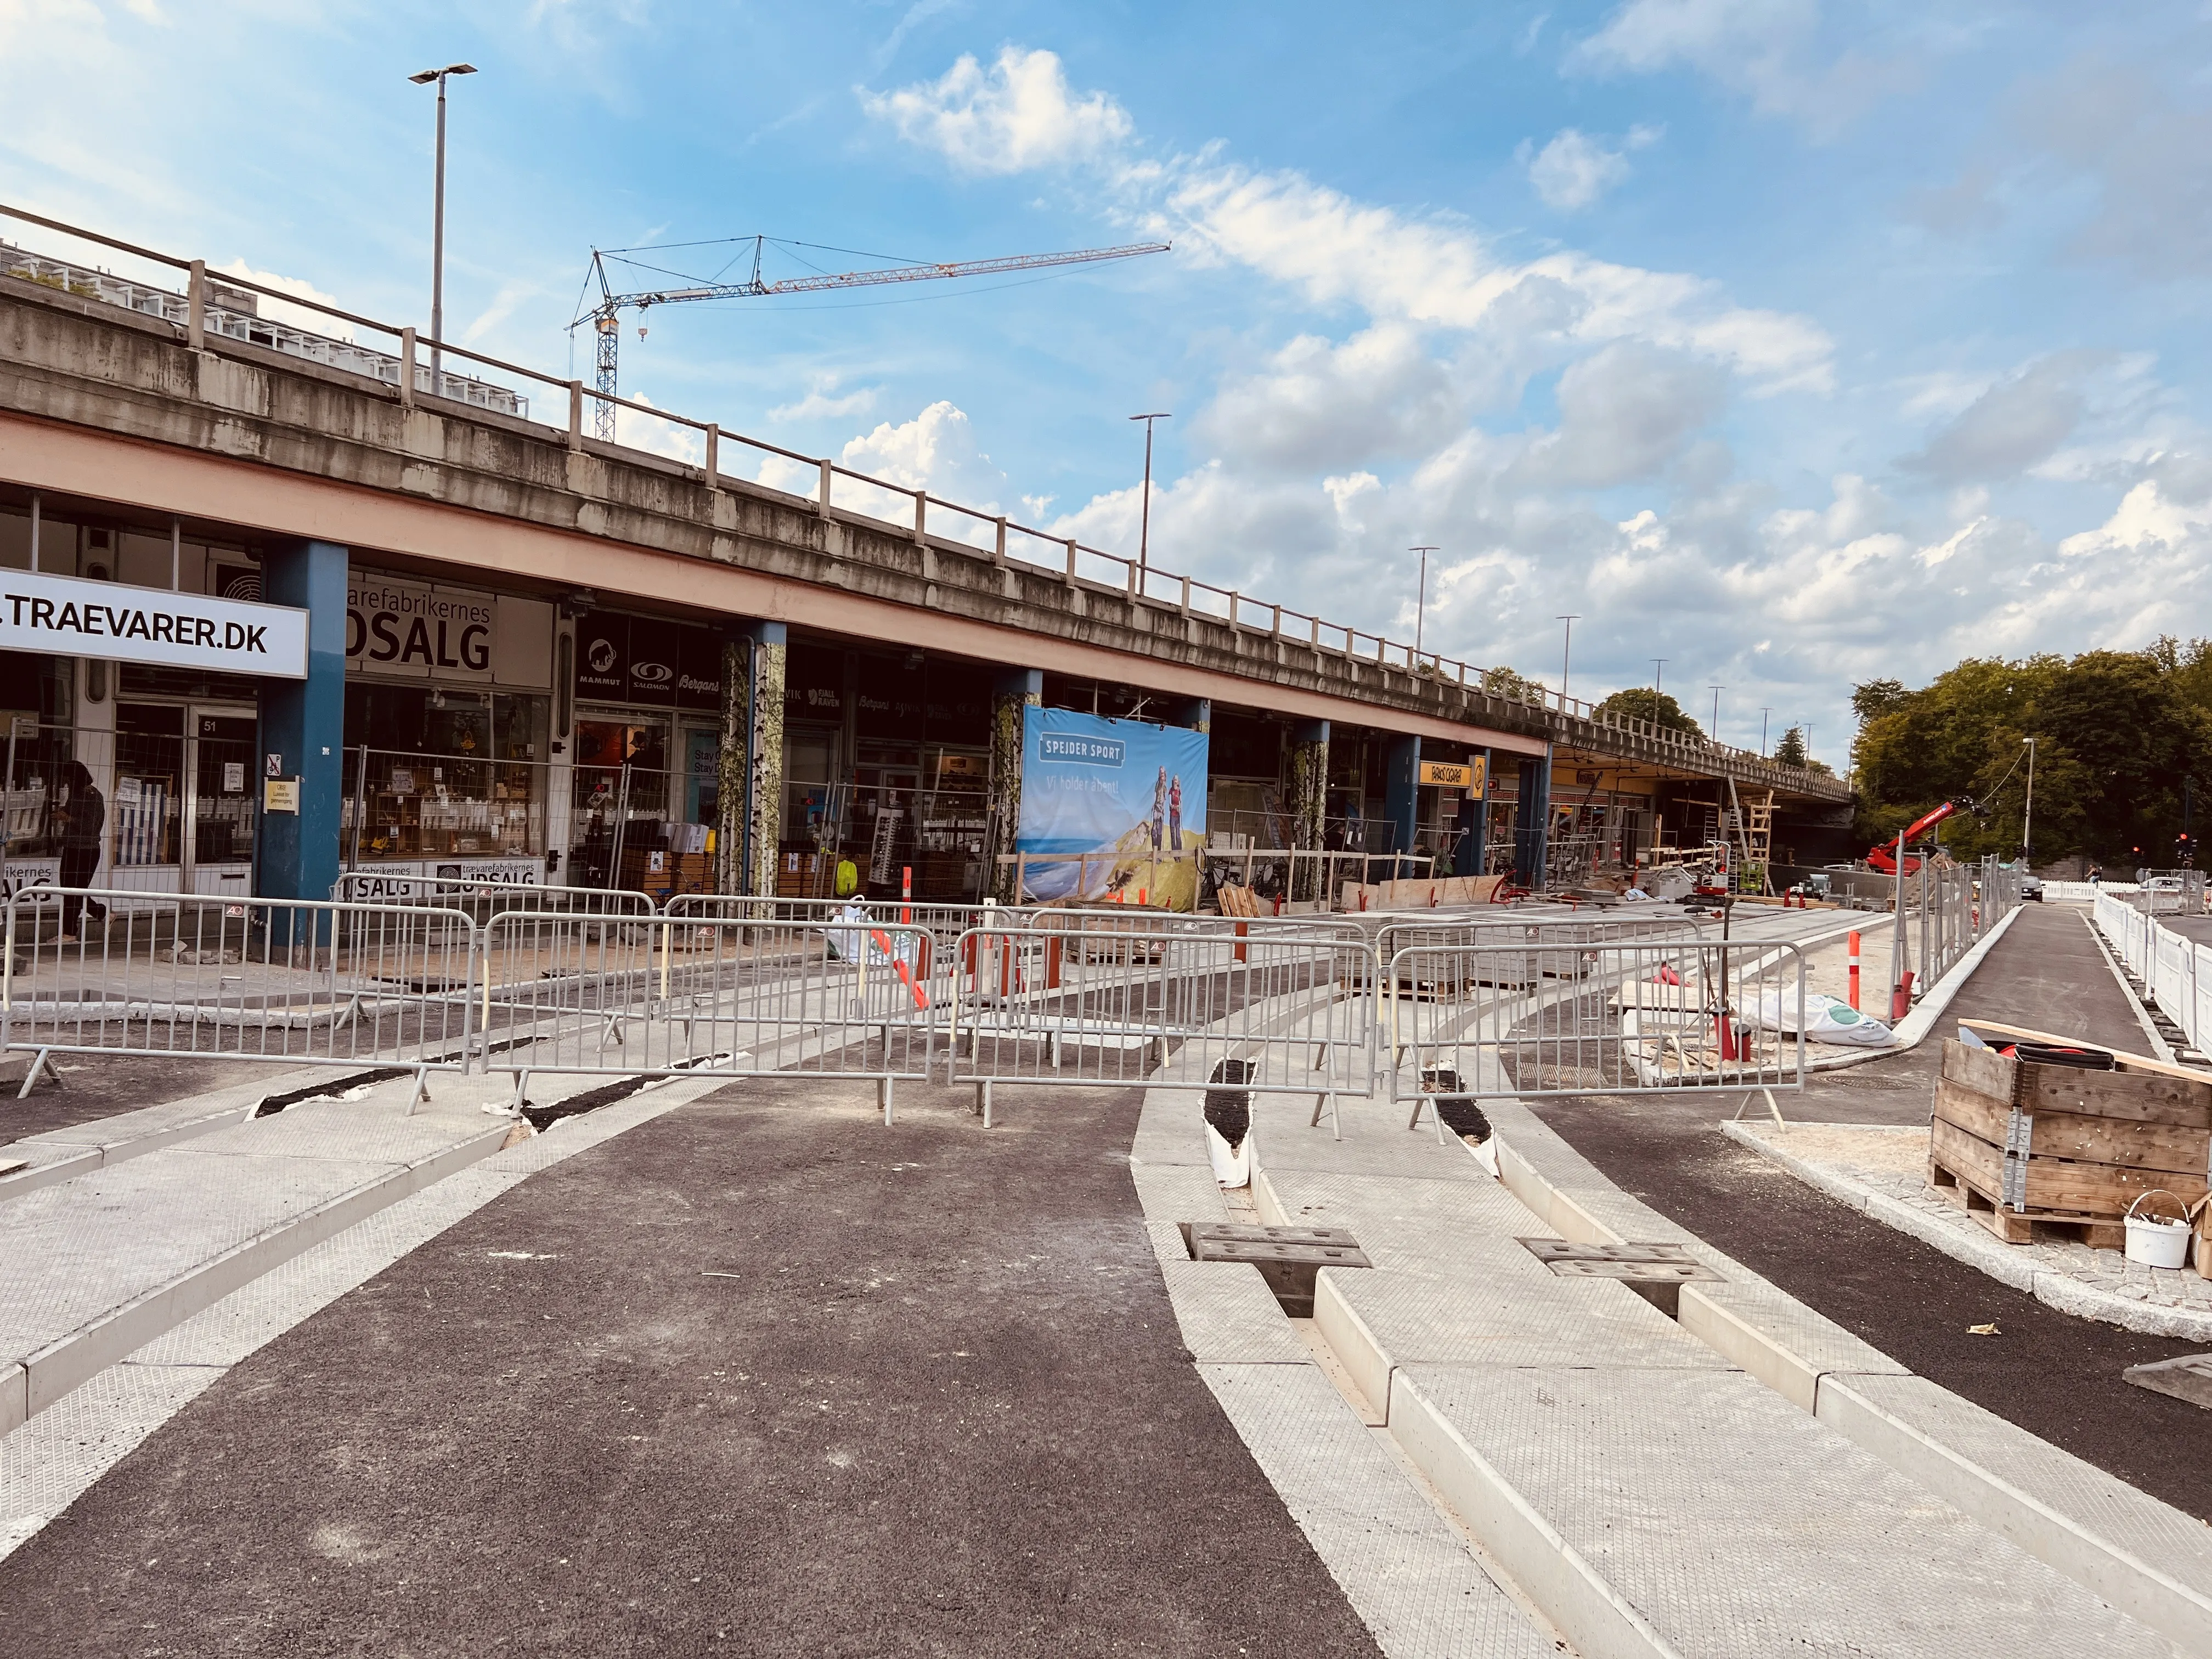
<point>1797,343</point>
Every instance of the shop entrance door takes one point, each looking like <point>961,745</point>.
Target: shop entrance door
<point>219,843</point>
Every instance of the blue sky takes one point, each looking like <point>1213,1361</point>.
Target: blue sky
<point>1797,343</point>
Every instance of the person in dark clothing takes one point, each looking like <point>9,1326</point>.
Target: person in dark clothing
<point>83,819</point>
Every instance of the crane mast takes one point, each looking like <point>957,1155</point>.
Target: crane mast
<point>605,316</point>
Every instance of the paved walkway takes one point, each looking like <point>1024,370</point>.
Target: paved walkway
<point>1883,1170</point>
<point>760,1373</point>
<point>2051,1372</point>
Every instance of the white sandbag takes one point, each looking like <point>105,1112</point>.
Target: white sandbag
<point>1828,1019</point>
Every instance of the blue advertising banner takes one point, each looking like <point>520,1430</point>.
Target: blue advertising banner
<point>1126,799</point>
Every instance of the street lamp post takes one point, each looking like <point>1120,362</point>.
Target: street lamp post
<point>1714,730</point>
<point>1764,710</point>
<point>1658,662</point>
<point>1420,597</point>
<point>2027,814</point>
<point>1144,522</point>
<point>1566,651</point>
<point>438,231</point>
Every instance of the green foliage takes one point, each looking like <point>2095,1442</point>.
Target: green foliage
<point>1878,697</point>
<point>1504,683</point>
<point>1641,702</point>
<point>2116,732</point>
<point>1790,752</point>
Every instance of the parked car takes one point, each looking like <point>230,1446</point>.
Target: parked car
<point>2163,884</point>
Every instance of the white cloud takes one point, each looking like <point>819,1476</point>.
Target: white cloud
<point>1768,50</point>
<point>1574,169</point>
<point>658,436</point>
<point>1016,115</point>
<point>823,402</point>
<point>314,322</point>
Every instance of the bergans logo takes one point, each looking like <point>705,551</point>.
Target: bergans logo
<point>601,657</point>
<point>652,673</point>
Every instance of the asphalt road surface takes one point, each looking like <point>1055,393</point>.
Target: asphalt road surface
<point>2055,1375</point>
<point>760,1376</point>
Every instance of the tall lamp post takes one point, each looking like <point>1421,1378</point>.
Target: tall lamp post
<point>1764,710</point>
<point>1144,522</point>
<point>438,230</point>
<point>1714,730</point>
<point>1658,662</point>
<point>1566,652</point>
<point>1420,597</point>
<point>2027,814</point>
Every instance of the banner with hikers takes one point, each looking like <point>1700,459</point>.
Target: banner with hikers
<point>1111,810</point>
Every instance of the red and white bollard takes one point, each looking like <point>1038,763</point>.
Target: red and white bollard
<point>1854,940</point>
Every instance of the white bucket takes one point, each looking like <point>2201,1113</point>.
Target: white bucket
<point>2155,1240</point>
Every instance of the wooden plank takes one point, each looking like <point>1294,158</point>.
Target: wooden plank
<point>2133,1144</point>
<point>1972,1110</point>
<point>2134,1062</point>
<point>1983,1070</point>
<point>2140,1097</point>
<point>1974,1160</point>
<point>2100,1189</point>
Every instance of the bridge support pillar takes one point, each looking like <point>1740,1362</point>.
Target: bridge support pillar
<point>1473,846</point>
<point>1016,690</point>
<point>749,798</point>
<point>1309,793</point>
<point>1532,823</point>
<point>1402,798</point>
<point>303,725</point>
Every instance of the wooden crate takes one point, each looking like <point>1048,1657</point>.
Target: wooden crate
<point>2019,1143</point>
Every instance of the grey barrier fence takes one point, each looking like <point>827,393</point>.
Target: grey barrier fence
<point>584,982</point>
<point>1085,1001</point>
<point>1537,1020</point>
<point>302,981</point>
<point>481,899</point>
<point>737,997</point>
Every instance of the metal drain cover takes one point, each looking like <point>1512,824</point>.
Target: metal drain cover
<point>1644,1264</point>
<point>1320,1247</point>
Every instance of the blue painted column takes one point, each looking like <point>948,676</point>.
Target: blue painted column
<point>1532,822</point>
<point>1474,843</point>
<point>1401,798</point>
<point>303,724</point>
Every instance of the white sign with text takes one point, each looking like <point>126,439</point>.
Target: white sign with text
<point>63,617</point>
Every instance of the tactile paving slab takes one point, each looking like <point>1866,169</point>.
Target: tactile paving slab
<point>1738,1527</point>
<point>1407,1572</point>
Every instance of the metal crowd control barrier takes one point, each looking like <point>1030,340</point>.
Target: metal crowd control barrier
<point>302,981</point>
<point>658,996</point>
<point>1533,1021</point>
<point>484,899</point>
<point>1090,1000</point>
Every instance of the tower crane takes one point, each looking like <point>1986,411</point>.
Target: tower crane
<point>605,314</point>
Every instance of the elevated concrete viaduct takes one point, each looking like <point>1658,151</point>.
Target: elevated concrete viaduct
<point>112,417</point>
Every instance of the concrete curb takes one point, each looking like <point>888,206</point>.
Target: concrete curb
<point>2000,1260</point>
<point>40,1379</point>
<point>2137,1587</point>
<point>114,1152</point>
<point>1573,1594</point>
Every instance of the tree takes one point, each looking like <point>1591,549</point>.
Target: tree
<point>1641,702</point>
<point>1504,683</point>
<point>2115,733</point>
<point>1878,697</point>
<point>1790,752</point>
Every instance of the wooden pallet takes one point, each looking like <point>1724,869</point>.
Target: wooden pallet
<point>2018,1226</point>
